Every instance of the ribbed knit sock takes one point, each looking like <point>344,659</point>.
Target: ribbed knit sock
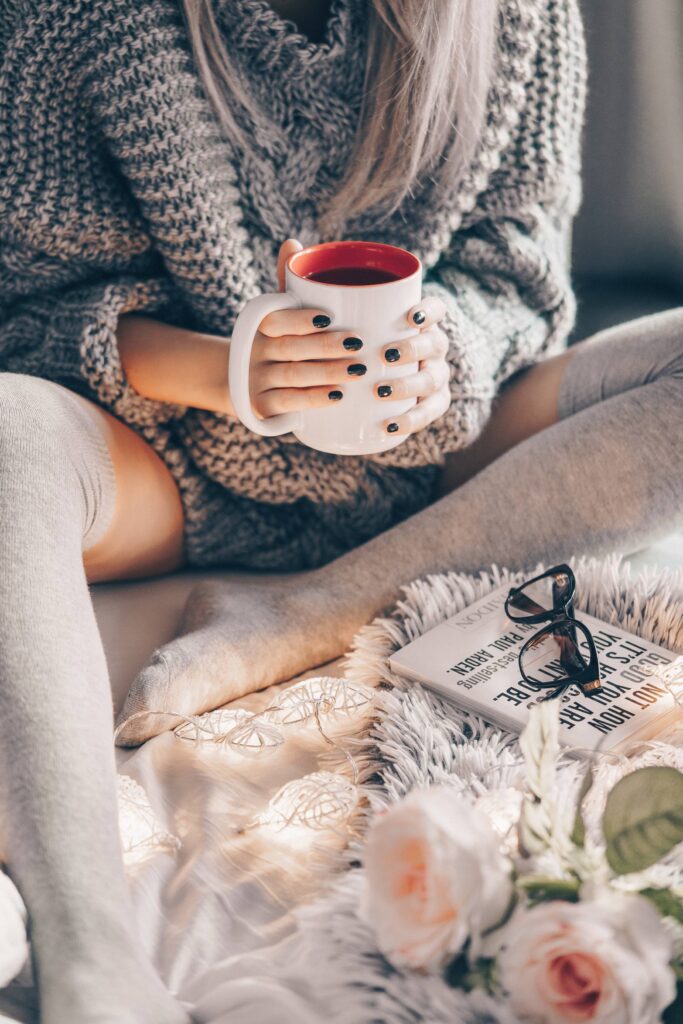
<point>607,476</point>
<point>60,832</point>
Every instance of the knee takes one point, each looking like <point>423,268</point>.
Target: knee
<point>664,340</point>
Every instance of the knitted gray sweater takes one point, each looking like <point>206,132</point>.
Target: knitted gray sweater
<point>118,194</point>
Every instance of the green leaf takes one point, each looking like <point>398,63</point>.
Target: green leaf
<point>666,902</point>
<point>481,976</point>
<point>578,833</point>
<point>540,888</point>
<point>459,973</point>
<point>643,818</point>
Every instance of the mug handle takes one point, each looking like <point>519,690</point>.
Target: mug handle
<point>241,344</point>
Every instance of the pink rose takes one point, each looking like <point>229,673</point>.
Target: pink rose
<point>605,961</point>
<point>435,877</point>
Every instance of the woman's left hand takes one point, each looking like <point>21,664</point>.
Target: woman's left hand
<point>430,384</point>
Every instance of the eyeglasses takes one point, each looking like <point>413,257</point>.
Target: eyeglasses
<point>562,653</point>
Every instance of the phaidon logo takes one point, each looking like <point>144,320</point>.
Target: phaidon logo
<point>473,616</point>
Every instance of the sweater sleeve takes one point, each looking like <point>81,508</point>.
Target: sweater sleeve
<point>504,274</point>
<point>69,335</point>
<point>74,255</point>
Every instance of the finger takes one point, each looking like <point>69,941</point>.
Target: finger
<point>432,342</point>
<point>270,403</point>
<point>306,375</point>
<point>431,377</point>
<point>286,250</point>
<point>294,321</point>
<point>421,415</point>
<point>428,311</point>
<point>291,348</point>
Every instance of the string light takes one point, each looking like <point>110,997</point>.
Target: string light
<point>338,698</point>
<point>254,737</point>
<point>254,733</point>
<point>672,677</point>
<point>141,834</point>
<point>319,801</point>
<point>211,726</point>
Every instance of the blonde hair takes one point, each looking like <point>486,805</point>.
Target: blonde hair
<point>424,99</point>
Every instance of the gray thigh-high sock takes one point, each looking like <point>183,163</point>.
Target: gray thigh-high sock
<point>57,771</point>
<point>607,476</point>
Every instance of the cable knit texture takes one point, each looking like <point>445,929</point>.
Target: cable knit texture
<point>118,193</point>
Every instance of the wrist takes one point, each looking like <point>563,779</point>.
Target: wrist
<point>210,390</point>
<point>172,364</point>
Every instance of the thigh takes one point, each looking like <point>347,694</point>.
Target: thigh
<point>145,535</point>
<point>618,359</point>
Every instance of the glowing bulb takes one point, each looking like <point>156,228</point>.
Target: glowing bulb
<point>141,834</point>
<point>320,695</point>
<point>317,801</point>
<point>213,726</point>
<point>672,677</point>
<point>254,736</point>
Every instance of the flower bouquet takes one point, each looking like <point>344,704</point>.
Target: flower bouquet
<point>509,896</point>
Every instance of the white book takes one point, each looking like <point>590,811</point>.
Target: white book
<point>472,659</point>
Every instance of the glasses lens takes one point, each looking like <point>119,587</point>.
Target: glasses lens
<point>556,654</point>
<point>544,595</point>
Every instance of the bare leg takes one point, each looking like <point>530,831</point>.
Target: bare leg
<point>57,770</point>
<point>607,475</point>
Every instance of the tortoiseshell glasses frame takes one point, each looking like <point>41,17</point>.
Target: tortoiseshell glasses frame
<point>561,627</point>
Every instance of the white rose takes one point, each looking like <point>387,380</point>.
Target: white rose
<point>435,877</point>
<point>13,943</point>
<point>605,961</point>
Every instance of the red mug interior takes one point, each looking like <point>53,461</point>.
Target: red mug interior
<point>353,263</point>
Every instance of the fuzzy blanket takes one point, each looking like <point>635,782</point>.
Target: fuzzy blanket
<point>330,969</point>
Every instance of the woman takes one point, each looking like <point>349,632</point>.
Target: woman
<point>153,157</point>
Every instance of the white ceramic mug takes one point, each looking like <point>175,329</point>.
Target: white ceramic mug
<point>376,313</point>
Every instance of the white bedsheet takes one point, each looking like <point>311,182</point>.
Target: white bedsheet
<point>205,896</point>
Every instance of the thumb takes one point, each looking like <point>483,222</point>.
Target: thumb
<point>286,250</point>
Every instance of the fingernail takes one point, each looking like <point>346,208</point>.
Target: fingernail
<point>321,320</point>
<point>335,396</point>
<point>392,355</point>
<point>356,369</point>
<point>352,344</point>
<point>419,316</point>
<point>384,391</point>
<point>392,428</point>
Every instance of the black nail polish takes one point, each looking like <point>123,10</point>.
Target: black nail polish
<point>335,396</point>
<point>321,320</point>
<point>356,369</point>
<point>392,428</point>
<point>419,316</point>
<point>392,355</point>
<point>352,344</point>
<point>384,391</point>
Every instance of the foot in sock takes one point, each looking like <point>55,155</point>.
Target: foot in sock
<point>235,638</point>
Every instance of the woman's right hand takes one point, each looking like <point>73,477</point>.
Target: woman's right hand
<point>296,363</point>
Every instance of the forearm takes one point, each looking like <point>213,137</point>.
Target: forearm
<point>172,364</point>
